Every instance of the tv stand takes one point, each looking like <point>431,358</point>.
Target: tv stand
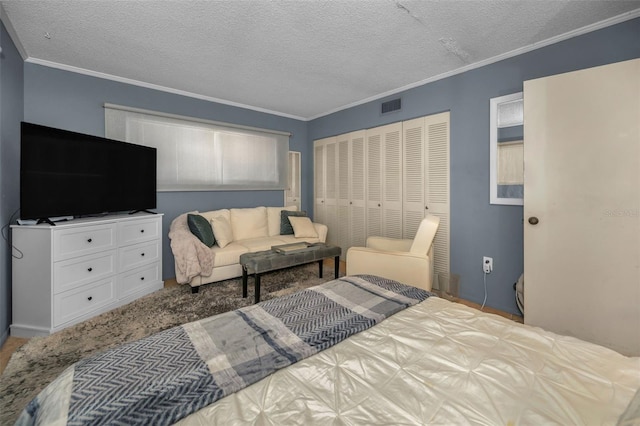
<point>143,211</point>
<point>81,268</point>
<point>45,220</point>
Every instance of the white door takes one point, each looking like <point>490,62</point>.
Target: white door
<point>319,192</point>
<point>373,154</point>
<point>357,218</point>
<point>331,190</point>
<point>582,204</point>
<point>437,142</point>
<point>342,209</point>
<point>426,182</point>
<point>413,177</point>
<point>392,181</point>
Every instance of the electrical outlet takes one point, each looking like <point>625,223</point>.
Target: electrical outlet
<point>487,264</point>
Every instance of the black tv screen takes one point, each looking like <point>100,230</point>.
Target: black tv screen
<point>65,173</point>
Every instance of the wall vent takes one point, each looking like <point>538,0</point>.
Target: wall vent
<point>391,106</point>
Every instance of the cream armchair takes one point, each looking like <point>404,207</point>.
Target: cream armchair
<point>407,261</point>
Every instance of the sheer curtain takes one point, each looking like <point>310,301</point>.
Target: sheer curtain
<point>201,155</point>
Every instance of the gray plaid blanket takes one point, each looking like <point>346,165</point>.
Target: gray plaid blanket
<point>169,375</point>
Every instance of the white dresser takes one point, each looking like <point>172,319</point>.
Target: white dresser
<point>70,272</point>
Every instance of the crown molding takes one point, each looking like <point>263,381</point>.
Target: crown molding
<point>566,36</point>
<point>139,83</point>
<point>571,34</point>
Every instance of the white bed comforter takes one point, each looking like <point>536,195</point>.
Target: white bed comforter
<point>441,363</point>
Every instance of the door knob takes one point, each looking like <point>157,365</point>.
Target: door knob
<point>533,220</point>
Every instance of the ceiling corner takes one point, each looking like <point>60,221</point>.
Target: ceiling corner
<point>12,32</point>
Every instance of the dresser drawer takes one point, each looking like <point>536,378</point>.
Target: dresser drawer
<point>136,231</point>
<point>138,255</point>
<point>135,280</point>
<point>72,273</point>
<point>81,240</point>
<point>75,303</point>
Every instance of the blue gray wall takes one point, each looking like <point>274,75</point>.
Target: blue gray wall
<point>477,228</point>
<point>11,110</point>
<point>71,101</point>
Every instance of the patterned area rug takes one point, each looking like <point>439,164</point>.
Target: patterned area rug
<point>42,359</point>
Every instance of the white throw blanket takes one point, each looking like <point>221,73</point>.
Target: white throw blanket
<point>192,257</point>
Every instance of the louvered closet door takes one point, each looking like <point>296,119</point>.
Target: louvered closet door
<point>413,181</point>
<point>392,181</point>
<point>357,217</point>
<point>373,155</point>
<point>319,181</point>
<point>437,187</point>
<point>342,227</point>
<point>331,191</point>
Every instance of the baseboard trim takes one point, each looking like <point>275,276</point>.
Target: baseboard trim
<point>28,331</point>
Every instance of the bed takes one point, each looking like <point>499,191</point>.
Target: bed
<point>406,357</point>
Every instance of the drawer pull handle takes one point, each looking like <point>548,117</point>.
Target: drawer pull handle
<point>141,278</point>
<point>142,230</point>
<point>89,298</point>
<point>90,269</point>
<point>89,240</point>
<point>142,254</point>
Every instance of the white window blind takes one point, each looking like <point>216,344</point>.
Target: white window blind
<point>510,160</point>
<point>202,155</point>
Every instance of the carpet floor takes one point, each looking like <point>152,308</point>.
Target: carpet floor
<point>42,359</point>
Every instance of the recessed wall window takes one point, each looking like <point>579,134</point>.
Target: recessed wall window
<point>506,150</point>
<point>201,155</point>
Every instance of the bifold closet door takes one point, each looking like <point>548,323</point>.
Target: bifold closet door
<point>350,190</point>
<point>331,191</point>
<point>357,190</point>
<point>582,204</point>
<point>392,181</point>
<point>339,181</point>
<point>373,179</point>
<point>342,208</point>
<point>384,181</point>
<point>437,196</point>
<point>319,192</point>
<point>425,182</point>
<point>414,204</point>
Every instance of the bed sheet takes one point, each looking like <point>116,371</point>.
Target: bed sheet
<point>440,362</point>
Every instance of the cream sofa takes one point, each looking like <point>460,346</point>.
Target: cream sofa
<point>254,229</point>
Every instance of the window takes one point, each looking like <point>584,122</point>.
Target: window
<point>202,155</point>
<point>506,115</point>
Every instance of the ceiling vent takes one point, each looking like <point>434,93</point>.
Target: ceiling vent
<point>391,106</point>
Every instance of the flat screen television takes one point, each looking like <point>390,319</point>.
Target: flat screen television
<point>65,173</point>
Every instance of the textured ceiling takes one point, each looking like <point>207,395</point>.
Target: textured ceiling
<point>301,59</point>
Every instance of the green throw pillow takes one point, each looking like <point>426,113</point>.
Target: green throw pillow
<point>201,228</point>
<point>285,225</point>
